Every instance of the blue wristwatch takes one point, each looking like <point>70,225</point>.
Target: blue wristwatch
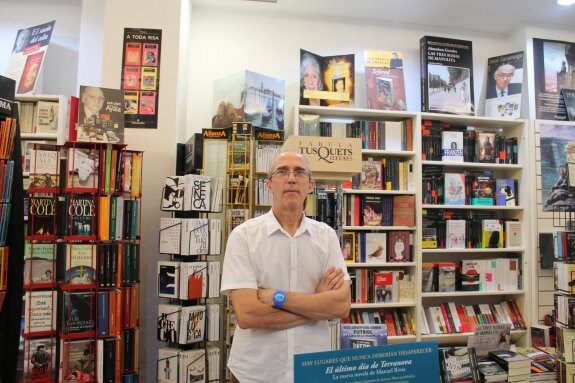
<point>279,298</point>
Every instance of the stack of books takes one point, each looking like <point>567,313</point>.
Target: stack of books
<point>490,371</point>
<point>518,366</point>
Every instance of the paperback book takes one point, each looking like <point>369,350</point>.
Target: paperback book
<point>40,359</point>
<point>168,323</point>
<point>399,246</point>
<point>452,146</point>
<point>173,194</point>
<point>504,86</point>
<point>193,280</point>
<point>384,80</point>
<point>39,263</point>
<point>80,264</point>
<point>168,365</point>
<point>192,324</point>
<point>505,192</point>
<point>77,360</point>
<point>454,189</point>
<point>168,279</point>
<point>44,168</point>
<point>83,168</point>
<point>192,366</point>
<point>362,335</point>
<point>375,247</point>
<point>78,313</point>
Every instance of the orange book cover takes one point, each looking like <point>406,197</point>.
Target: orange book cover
<point>104,218</point>
<point>404,210</point>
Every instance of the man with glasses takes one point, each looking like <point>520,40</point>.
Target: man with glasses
<point>502,86</point>
<point>286,277</point>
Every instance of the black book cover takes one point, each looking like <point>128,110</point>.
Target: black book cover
<point>372,209</point>
<point>42,216</point>
<point>79,312</point>
<point>81,215</point>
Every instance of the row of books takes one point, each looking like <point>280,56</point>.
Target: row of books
<point>7,137</point>
<point>450,317</point>
<point>86,169</point>
<point>467,188</point>
<point>465,229</point>
<point>6,178</point>
<point>564,274</point>
<point>5,208</point>
<point>381,286</point>
<point>451,143</point>
<point>190,236</point>
<point>38,117</point>
<point>4,256</point>
<point>399,321</point>
<point>564,309</point>
<point>265,153</point>
<point>564,246</point>
<point>385,174</point>
<point>195,365</point>
<point>377,247</point>
<point>379,210</point>
<point>494,274</point>
<point>191,192</point>
<point>188,280</point>
<point>187,324</point>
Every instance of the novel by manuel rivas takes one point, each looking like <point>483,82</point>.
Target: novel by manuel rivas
<point>446,75</point>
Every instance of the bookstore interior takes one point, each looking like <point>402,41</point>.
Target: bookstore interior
<point>429,176</point>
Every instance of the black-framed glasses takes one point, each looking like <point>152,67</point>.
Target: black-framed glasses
<point>298,174</point>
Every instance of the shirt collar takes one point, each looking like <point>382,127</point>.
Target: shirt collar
<point>273,225</point>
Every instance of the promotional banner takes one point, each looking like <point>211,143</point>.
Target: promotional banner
<point>401,363</point>
<point>141,77</point>
<point>27,57</point>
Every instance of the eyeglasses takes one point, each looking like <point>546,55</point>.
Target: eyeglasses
<point>505,75</point>
<point>298,174</point>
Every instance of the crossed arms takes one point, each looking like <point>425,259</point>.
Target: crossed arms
<point>331,300</point>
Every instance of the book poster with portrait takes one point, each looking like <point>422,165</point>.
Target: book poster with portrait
<point>504,86</point>
<point>327,81</point>
<point>557,143</point>
<point>384,80</point>
<point>27,59</point>
<point>554,69</point>
<point>141,77</point>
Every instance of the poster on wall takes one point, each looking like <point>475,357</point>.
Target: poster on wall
<point>557,147</point>
<point>554,67</point>
<point>25,64</point>
<point>141,77</point>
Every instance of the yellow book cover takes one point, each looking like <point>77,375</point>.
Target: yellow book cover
<point>136,174</point>
<point>104,218</point>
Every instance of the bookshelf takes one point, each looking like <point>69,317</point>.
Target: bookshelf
<point>422,254</point>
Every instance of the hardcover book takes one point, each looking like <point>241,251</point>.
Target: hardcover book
<point>39,262</point>
<point>375,247</point>
<point>40,360</point>
<point>446,75</point>
<point>454,189</point>
<point>504,86</point>
<point>362,335</point>
<point>78,313</point>
<point>80,264</point>
<point>452,146</point>
<point>100,115</point>
<point>384,80</point>
<point>399,246</point>
<point>192,324</point>
<point>168,279</point>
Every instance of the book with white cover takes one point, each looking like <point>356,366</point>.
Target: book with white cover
<point>192,366</point>
<point>197,195</point>
<point>170,232</point>
<point>214,272</point>
<point>213,333</point>
<point>192,324</point>
<point>513,234</point>
<point>168,365</point>
<point>194,236</point>
<point>215,236</point>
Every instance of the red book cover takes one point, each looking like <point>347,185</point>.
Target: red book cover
<point>404,210</point>
<point>195,283</point>
<point>446,318</point>
<point>383,287</point>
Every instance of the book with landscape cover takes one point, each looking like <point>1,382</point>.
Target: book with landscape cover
<point>362,335</point>
<point>40,360</point>
<point>100,115</point>
<point>504,86</point>
<point>446,75</point>
<point>384,80</point>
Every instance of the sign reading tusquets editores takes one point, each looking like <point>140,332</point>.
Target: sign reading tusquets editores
<point>331,158</point>
<point>400,363</point>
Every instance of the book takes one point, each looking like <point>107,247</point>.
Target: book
<point>362,335</point>
<point>78,313</point>
<point>540,335</point>
<point>490,371</point>
<point>40,359</point>
<point>42,216</point>
<point>569,100</point>
<point>446,276</point>
<point>454,186</point>
<point>192,324</point>
<point>194,236</point>
<point>173,194</point>
<point>77,360</point>
<point>39,263</point>
<point>452,146</point>
<point>83,168</point>
<point>79,216</point>
<point>491,233</point>
<point>486,146</point>
<point>505,192</point>
<point>168,279</point>
<point>455,233</point>
<point>192,366</point>
<point>167,366</point>
<point>46,116</point>
<point>399,246</point>
<point>170,231</point>
<point>490,337</point>
<point>428,277</point>
<point>80,264</point>
<point>470,275</point>
<point>371,175</point>
<point>384,80</point>
<point>372,207</point>
<point>504,86</point>
<point>375,247</point>
<point>44,167</point>
<point>349,247</point>
<point>483,190</point>
<point>384,287</point>
<point>446,75</point>
<point>100,115</point>
<point>513,237</point>
<point>39,312</point>
<point>404,210</point>
<point>510,360</point>
<point>168,325</point>
<point>193,280</point>
<point>458,365</point>
<point>327,81</point>
<point>197,193</point>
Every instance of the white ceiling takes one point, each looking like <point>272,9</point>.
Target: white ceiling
<point>477,16</point>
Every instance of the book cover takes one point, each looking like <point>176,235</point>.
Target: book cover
<point>470,275</point>
<point>168,323</point>
<point>540,335</point>
<point>77,360</point>
<point>197,192</point>
<point>194,236</point>
<point>458,365</point>
<point>569,100</point>
<point>327,81</point>
<point>193,280</point>
<point>371,177</point>
<point>504,86</point>
<point>39,262</point>
<point>455,233</point>
<point>173,194</point>
<point>452,146</point>
<point>384,80</point>
<point>133,53</point>
<point>168,279</point>
<point>39,312</point>
<point>150,54</point>
<point>491,233</point>
<point>83,168</point>
<point>44,168</point>
<point>383,287</point>
<point>446,276</point>
<point>454,184</point>
<point>490,337</point>
<point>192,324</point>
<point>446,75</point>
<point>348,247</point>
<point>78,312</point>
<point>428,277</point>
<point>170,229</point>
<point>490,371</point>
<point>483,190</point>
<point>375,247</point>
<point>46,116</point>
<point>40,360</point>
<point>399,246</point>
<point>372,207</point>
<point>80,215</point>
<point>41,216</point>
<point>80,264</point>
<point>486,146</point>
<point>100,115</point>
<point>192,366</point>
<point>167,365</point>
<point>510,359</point>
<point>505,192</point>
<point>362,335</point>
<point>404,210</point>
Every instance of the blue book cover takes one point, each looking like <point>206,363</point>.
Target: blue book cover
<point>505,193</point>
<point>454,188</point>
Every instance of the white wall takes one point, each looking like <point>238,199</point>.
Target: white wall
<point>61,62</point>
